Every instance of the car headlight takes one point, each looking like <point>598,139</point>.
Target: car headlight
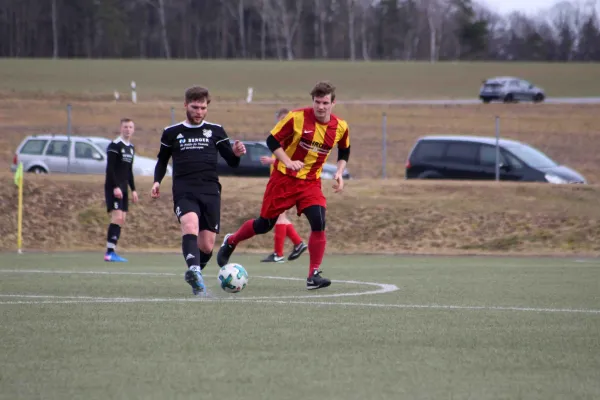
<point>326,175</point>
<point>555,179</point>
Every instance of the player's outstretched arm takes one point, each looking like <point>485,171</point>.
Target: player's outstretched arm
<point>131,179</point>
<point>227,152</point>
<point>275,147</point>
<point>231,154</point>
<point>160,170</point>
<point>264,160</point>
<point>343,157</point>
<point>112,152</point>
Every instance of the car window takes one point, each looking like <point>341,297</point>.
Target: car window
<point>86,151</point>
<point>513,161</point>
<point>59,148</point>
<point>464,153</point>
<point>487,156</point>
<point>493,85</point>
<point>532,157</point>
<point>428,150</point>
<point>256,151</point>
<point>102,143</point>
<point>514,83</point>
<point>34,146</point>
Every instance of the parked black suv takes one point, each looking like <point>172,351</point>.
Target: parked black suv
<point>474,158</point>
<point>250,163</point>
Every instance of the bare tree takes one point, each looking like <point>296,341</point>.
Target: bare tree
<point>436,11</point>
<point>364,13</point>
<point>159,6</point>
<point>351,4</point>
<point>237,12</point>
<point>321,11</point>
<point>287,20</point>
<point>163,28</point>
<point>54,30</point>
<point>263,4</point>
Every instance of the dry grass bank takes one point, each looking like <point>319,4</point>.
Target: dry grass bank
<point>393,216</point>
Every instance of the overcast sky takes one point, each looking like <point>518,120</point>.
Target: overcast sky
<point>527,6</point>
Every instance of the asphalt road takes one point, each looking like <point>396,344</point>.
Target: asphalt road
<point>550,100</point>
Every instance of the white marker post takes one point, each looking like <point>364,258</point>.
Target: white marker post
<point>133,93</point>
<point>250,93</point>
<point>117,96</point>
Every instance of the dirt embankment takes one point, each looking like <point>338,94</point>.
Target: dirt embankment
<point>394,216</point>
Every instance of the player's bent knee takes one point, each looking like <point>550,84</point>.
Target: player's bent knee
<point>189,224</point>
<point>316,217</point>
<point>206,246</point>
<point>117,217</point>
<point>262,225</point>
<point>283,219</point>
<point>206,241</point>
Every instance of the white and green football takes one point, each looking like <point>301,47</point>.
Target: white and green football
<point>233,278</point>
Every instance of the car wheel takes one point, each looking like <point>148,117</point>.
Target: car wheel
<point>538,98</point>
<point>486,100</point>
<point>430,175</point>
<point>509,98</point>
<point>38,170</point>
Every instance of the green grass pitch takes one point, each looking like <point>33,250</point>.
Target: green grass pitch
<point>455,328</point>
<point>161,79</point>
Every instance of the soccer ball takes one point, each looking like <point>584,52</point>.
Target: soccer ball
<point>233,278</point>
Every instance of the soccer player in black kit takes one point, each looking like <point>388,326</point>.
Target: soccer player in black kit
<point>194,145</point>
<point>119,174</point>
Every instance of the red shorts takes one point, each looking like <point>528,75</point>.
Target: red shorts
<point>284,192</point>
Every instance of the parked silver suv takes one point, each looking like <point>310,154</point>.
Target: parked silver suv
<point>85,155</point>
<point>509,90</point>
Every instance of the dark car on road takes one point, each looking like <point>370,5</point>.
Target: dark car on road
<point>251,166</point>
<point>510,90</point>
<point>474,158</point>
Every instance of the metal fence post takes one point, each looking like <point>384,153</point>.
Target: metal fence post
<point>497,148</point>
<point>69,137</point>
<point>172,115</point>
<point>384,145</point>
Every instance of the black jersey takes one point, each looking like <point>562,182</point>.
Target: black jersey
<point>119,165</point>
<point>194,150</point>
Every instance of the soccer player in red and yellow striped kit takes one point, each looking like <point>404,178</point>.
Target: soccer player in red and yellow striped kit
<point>301,142</point>
<point>283,227</point>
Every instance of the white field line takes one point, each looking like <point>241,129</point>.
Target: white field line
<point>284,300</point>
<point>381,287</point>
<point>96,300</point>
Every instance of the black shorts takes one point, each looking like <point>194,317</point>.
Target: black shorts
<point>206,206</point>
<point>112,203</point>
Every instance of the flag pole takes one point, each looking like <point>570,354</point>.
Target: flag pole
<point>20,211</point>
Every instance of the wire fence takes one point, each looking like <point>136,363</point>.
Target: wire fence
<point>382,139</point>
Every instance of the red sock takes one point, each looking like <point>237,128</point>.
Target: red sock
<point>279,239</point>
<point>293,235</point>
<point>245,232</point>
<point>316,248</point>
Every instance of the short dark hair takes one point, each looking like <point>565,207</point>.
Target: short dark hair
<point>124,120</point>
<point>197,93</point>
<point>322,89</point>
<point>281,112</point>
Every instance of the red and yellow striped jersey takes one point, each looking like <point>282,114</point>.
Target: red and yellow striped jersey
<point>305,139</point>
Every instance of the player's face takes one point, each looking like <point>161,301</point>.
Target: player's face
<point>196,111</point>
<point>127,129</point>
<point>323,106</point>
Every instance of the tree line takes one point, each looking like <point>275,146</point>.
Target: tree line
<point>430,30</point>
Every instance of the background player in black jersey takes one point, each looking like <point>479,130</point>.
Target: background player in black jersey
<point>119,174</point>
<point>194,145</point>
